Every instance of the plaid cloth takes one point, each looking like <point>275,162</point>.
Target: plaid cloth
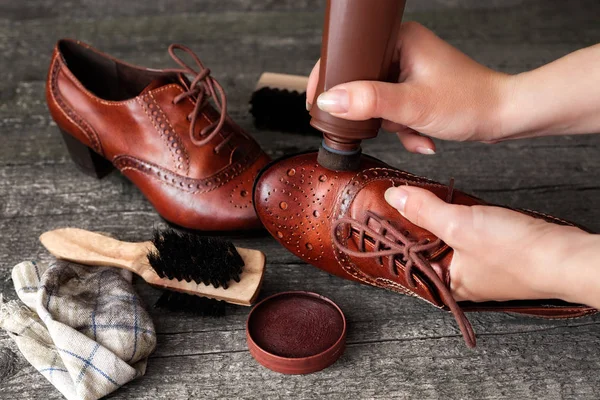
<point>83,328</point>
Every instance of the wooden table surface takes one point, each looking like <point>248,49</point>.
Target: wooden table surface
<point>398,347</point>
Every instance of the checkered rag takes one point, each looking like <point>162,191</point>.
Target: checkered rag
<point>83,328</point>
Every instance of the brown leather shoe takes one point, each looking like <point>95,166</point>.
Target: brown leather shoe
<point>193,163</point>
<point>340,222</point>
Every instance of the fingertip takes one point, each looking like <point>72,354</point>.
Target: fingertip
<point>396,197</point>
<point>334,101</point>
<point>416,143</point>
<point>311,86</point>
<point>445,220</point>
<point>419,191</point>
<point>423,208</point>
<point>428,151</point>
<point>370,99</point>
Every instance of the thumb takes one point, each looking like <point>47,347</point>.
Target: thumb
<point>424,209</point>
<point>362,100</point>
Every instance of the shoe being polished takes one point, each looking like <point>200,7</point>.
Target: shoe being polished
<point>191,161</point>
<point>340,222</point>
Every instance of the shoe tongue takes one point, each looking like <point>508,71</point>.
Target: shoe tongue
<point>158,82</point>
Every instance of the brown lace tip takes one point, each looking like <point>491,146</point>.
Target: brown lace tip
<point>470,340</point>
<point>401,246</point>
<point>450,191</point>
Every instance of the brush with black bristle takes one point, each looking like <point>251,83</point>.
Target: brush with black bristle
<point>188,257</point>
<point>177,257</point>
<point>202,306</point>
<point>184,263</point>
<point>278,103</point>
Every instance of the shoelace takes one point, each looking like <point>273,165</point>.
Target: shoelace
<point>391,243</point>
<point>201,88</point>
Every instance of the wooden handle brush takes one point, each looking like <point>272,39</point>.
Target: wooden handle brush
<point>274,80</point>
<point>184,263</point>
<point>278,103</point>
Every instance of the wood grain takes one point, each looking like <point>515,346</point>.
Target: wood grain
<point>398,347</point>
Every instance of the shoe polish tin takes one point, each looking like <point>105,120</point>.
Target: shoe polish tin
<point>296,332</point>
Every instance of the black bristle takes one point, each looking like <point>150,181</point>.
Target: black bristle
<point>191,257</point>
<point>175,301</point>
<point>281,110</point>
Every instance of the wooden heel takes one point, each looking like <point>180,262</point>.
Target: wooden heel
<point>86,159</point>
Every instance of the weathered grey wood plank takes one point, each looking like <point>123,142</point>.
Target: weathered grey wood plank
<point>529,174</point>
<point>36,9</point>
<point>136,36</point>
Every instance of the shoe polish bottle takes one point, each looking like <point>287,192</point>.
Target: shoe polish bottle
<point>359,41</point>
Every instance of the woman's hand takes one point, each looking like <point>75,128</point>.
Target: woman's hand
<point>501,254</point>
<point>442,93</point>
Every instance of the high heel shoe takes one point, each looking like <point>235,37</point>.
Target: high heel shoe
<point>191,161</point>
<point>86,159</point>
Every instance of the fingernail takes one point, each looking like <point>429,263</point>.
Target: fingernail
<point>334,101</point>
<point>308,106</point>
<point>396,197</point>
<point>425,150</point>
